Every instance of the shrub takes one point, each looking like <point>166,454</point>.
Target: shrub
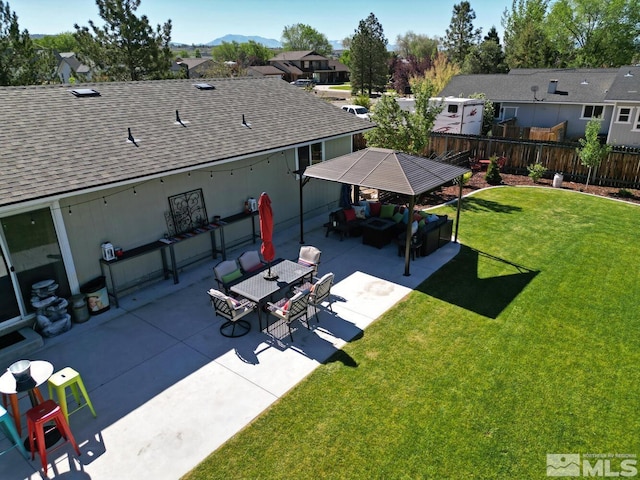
<point>493,176</point>
<point>363,101</point>
<point>624,193</point>
<point>536,171</point>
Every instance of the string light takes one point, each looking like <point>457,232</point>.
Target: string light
<point>69,209</point>
<point>105,200</point>
<point>134,191</point>
<point>161,180</point>
<point>211,174</point>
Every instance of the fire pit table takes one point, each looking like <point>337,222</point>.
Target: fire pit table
<point>378,232</point>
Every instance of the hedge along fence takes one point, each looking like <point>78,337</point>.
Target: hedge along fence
<point>621,168</point>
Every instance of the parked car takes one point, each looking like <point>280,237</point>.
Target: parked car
<point>358,110</point>
<point>304,82</point>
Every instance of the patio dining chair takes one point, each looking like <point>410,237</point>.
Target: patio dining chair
<point>309,256</point>
<point>319,291</point>
<point>233,311</point>
<point>291,309</point>
<point>251,262</point>
<point>227,272</point>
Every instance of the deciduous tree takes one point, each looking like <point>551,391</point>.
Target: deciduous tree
<point>595,33</point>
<point>402,130</point>
<point>303,37</point>
<point>591,152</point>
<point>126,47</point>
<point>368,55</point>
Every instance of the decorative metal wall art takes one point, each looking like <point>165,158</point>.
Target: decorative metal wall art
<point>188,211</point>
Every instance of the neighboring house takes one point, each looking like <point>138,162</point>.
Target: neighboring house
<point>195,67</point>
<point>87,164</point>
<point>546,98</point>
<point>70,67</point>
<point>308,64</point>
<point>264,71</point>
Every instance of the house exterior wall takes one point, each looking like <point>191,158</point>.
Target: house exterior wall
<point>129,220</point>
<point>625,133</point>
<point>547,115</point>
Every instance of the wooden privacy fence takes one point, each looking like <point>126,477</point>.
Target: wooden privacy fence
<point>621,168</point>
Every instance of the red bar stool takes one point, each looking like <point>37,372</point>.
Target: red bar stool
<point>36,418</point>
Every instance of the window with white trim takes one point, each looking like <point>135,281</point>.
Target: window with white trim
<point>509,112</point>
<point>592,111</point>
<point>624,115</point>
<point>636,124</point>
<point>310,155</point>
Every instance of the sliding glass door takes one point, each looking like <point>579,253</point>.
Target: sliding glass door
<point>9,308</point>
<point>33,255</point>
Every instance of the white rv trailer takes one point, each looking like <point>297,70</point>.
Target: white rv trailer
<point>458,115</point>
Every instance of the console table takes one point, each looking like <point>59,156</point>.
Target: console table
<point>238,217</point>
<point>152,247</point>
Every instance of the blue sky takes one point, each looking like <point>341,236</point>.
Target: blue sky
<point>200,21</point>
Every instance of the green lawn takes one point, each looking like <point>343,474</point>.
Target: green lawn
<point>525,344</point>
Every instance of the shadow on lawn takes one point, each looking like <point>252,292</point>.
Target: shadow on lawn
<point>458,283</point>
<point>479,204</point>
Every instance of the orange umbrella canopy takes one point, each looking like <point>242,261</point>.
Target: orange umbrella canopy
<point>266,227</point>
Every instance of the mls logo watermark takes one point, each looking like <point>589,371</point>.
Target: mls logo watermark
<point>591,465</point>
<point>563,464</point>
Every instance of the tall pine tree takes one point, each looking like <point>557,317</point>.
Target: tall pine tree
<point>368,57</point>
<point>126,47</point>
<point>461,36</point>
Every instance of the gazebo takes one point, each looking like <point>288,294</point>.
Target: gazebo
<point>391,171</point>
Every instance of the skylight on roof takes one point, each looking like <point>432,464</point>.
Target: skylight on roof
<point>204,86</point>
<point>85,92</point>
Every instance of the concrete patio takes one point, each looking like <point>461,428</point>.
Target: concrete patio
<point>169,389</point>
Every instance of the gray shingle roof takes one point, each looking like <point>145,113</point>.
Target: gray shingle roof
<point>516,85</point>
<point>626,86</point>
<point>54,143</point>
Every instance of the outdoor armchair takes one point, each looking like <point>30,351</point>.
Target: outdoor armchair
<point>292,309</point>
<point>233,311</point>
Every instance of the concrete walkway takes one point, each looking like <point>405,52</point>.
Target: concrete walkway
<point>169,389</point>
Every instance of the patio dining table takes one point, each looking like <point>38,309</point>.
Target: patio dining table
<point>258,289</point>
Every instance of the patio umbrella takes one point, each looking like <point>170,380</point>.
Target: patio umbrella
<point>266,232</point>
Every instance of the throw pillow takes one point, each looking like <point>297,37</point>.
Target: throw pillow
<point>417,217</point>
<point>374,208</point>
<point>396,217</point>
<point>360,212</point>
<point>386,210</point>
<point>405,216</point>
<point>230,277</point>
<point>349,214</point>
<point>365,204</point>
<point>433,218</point>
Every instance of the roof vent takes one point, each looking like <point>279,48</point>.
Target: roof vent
<point>553,86</point>
<point>204,86</point>
<point>85,92</point>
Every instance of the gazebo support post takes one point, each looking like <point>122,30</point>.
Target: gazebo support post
<point>302,182</point>
<point>459,206</point>
<point>407,243</point>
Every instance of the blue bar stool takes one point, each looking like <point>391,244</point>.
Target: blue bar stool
<point>10,430</point>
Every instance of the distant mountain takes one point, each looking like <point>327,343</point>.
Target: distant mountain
<point>267,42</point>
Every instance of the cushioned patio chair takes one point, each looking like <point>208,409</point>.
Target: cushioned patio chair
<point>227,272</point>
<point>233,311</point>
<point>309,256</point>
<point>319,291</point>
<point>250,262</point>
<point>291,309</point>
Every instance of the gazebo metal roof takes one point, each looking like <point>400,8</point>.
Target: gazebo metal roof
<point>391,171</point>
<point>388,170</point>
